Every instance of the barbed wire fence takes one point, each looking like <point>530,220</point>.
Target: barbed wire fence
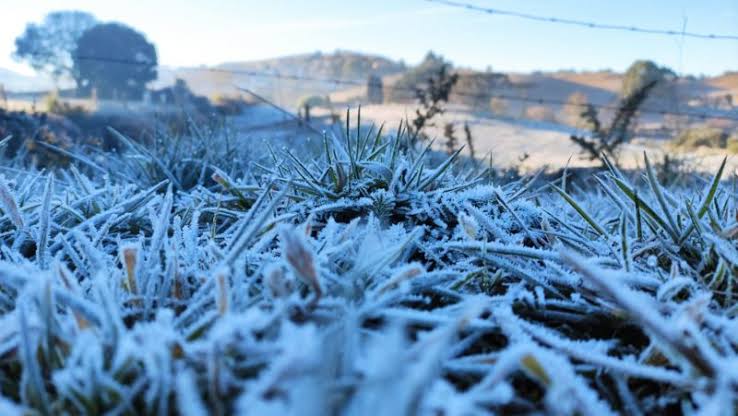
<point>583,23</point>
<point>731,115</point>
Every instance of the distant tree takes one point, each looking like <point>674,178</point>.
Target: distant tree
<point>3,96</point>
<point>374,89</point>
<point>475,88</point>
<point>48,47</point>
<point>402,90</point>
<point>642,73</point>
<point>116,60</point>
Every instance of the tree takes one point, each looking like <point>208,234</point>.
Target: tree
<point>475,88</point>
<point>115,60</point>
<point>403,89</point>
<point>374,90</point>
<point>641,73</point>
<point>48,47</point>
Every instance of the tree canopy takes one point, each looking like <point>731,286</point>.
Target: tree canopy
<point>116,60</point>
<point>643,72</point>
<point>48,47</point>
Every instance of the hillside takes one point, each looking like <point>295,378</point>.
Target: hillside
<point>342,65</point>
<point>15,82</point>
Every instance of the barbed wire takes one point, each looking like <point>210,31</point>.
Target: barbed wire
<point>582,23</point>
<point>414,89</point>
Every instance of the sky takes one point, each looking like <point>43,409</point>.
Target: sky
<point>198,32</point>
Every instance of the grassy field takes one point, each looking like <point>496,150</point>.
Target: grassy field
<point>370,276</point>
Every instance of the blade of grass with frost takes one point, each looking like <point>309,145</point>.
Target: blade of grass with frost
<point>526,186</point>
<point>724,248</point>
<point>639,227</point>
<point>713,190</point>
<point>253,227</point>
<point>440,170</point>
<point>25,188</point>
<point>515,216</point>
<point>9,205</point>
<point>82,159</point>
<point>246,221</point>
<point>82,182</point>
<point>624,246</point>
<point>47,308</point>
<point>188,397</point>
<point>601,359</point>
<point>656,188</point>
<point>309,179</point>
<point>569,227</point>
<point>352,161</point>
<point>564,174</point>
<point>518,271</point>
<point>504,249</point>
<point>612,168</point>
<point>142,150</point>
<point>30,366</point>
<point>227,183</point>
<point>44,219</point>
<point>359,143</point>
<point>598,228</point>
<point>630,193</point>
<point>376,148</point>
<point>694,225</point>
<point>640,310</point>
<point>417,166</point>
<point>610,193</point>
<point>5,141</point>
<point>382,260</point>
<point>395,147</point>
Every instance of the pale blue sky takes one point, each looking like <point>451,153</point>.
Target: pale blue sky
<point>197,32</point>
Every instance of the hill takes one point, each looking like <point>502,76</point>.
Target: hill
<point>15,82</point>
<point>338,65</point>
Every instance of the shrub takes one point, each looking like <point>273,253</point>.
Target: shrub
<point>606,141</point>
<point>432,96</point>
<point>403,90</point>
<point>313,101</point>
<point>540,113</point>
<point>498,106</point>
<point>374,90</point>
<point>731,145</point>
<point>229,105</point>
<point>696,137</point>
<point>52,103</point>
<point>475,88</point>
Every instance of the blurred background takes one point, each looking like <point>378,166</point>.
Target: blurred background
<point>530,84</point>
